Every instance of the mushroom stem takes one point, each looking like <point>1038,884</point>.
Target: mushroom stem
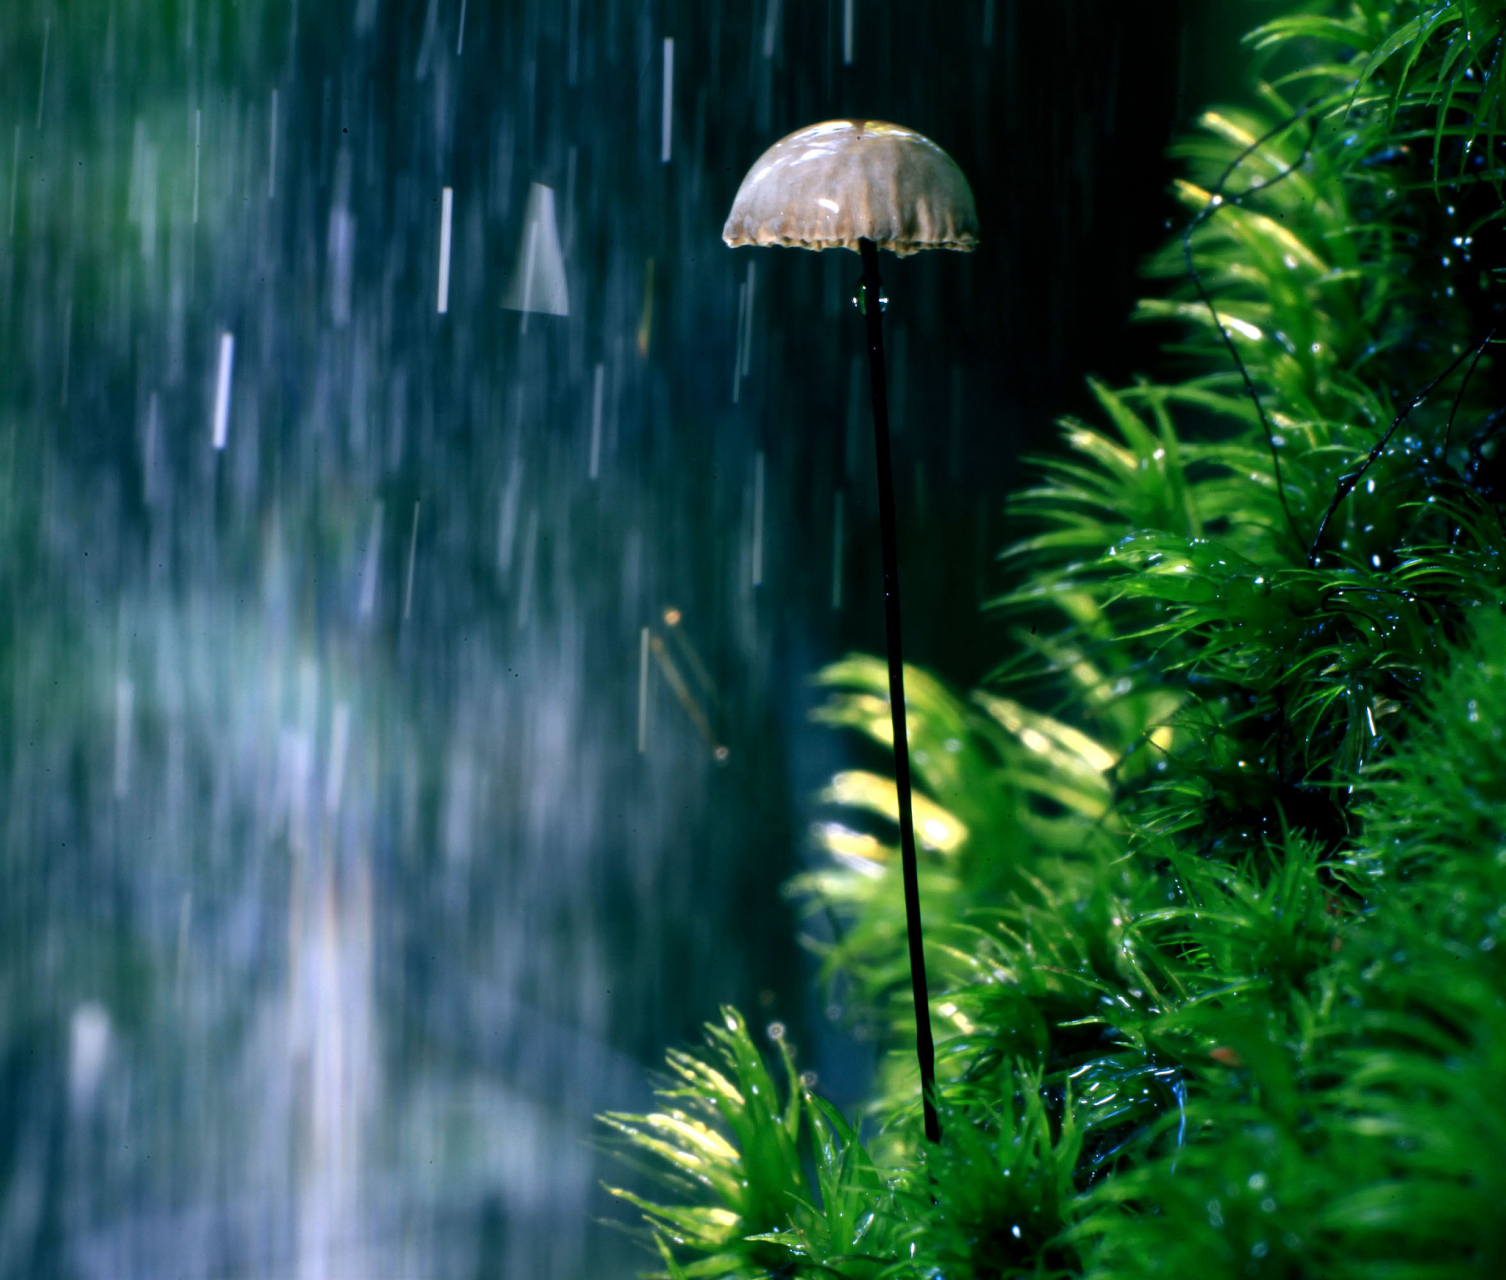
<point>925,1051</point>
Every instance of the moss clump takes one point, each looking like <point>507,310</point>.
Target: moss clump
<point>1215,865</point>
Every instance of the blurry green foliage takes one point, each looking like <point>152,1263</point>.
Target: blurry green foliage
<point>1214,867</point>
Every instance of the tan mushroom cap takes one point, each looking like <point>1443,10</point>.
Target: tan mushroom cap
<point>829,185</point>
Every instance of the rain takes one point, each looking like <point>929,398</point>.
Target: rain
<point>420,531</point>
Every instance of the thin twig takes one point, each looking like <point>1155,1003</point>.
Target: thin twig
<point>1216,201</point>
<point>1454,408</point>
<point>1352,478</point>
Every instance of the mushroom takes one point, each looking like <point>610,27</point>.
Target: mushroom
<point>868,185</point>
<point>834,185</point>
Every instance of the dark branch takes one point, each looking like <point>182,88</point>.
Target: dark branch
<point>1349,479</point>
<point>1216,202</point>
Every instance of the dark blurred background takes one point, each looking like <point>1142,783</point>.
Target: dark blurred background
<point>405,730</point>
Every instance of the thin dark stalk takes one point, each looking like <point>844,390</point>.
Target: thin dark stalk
<point>1349,479</point>
<point>1216,201</point>
<point>925,1050</point>
<point>1448,430</point>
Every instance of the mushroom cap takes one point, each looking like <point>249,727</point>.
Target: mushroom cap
<point>829,185</point>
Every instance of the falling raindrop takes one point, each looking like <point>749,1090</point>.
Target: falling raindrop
<point>643,650</point>
<point>272,149</point>
<point>372,563</point>
<point>666,126</point>
<point>598,383</point>
<point>770,28</point>
<point>15,170</point>
<point>125,698</point>
<point>41,85</point>
<point>222,390</point>
<point>197,123</point>
<point>758,469</point>
<point>412,559</point>
<point>446,210</point>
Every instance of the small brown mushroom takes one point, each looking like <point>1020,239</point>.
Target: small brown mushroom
<point>867,185</point>
<point>831,185</point>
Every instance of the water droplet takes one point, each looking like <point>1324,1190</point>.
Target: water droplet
<point>858,295</point>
